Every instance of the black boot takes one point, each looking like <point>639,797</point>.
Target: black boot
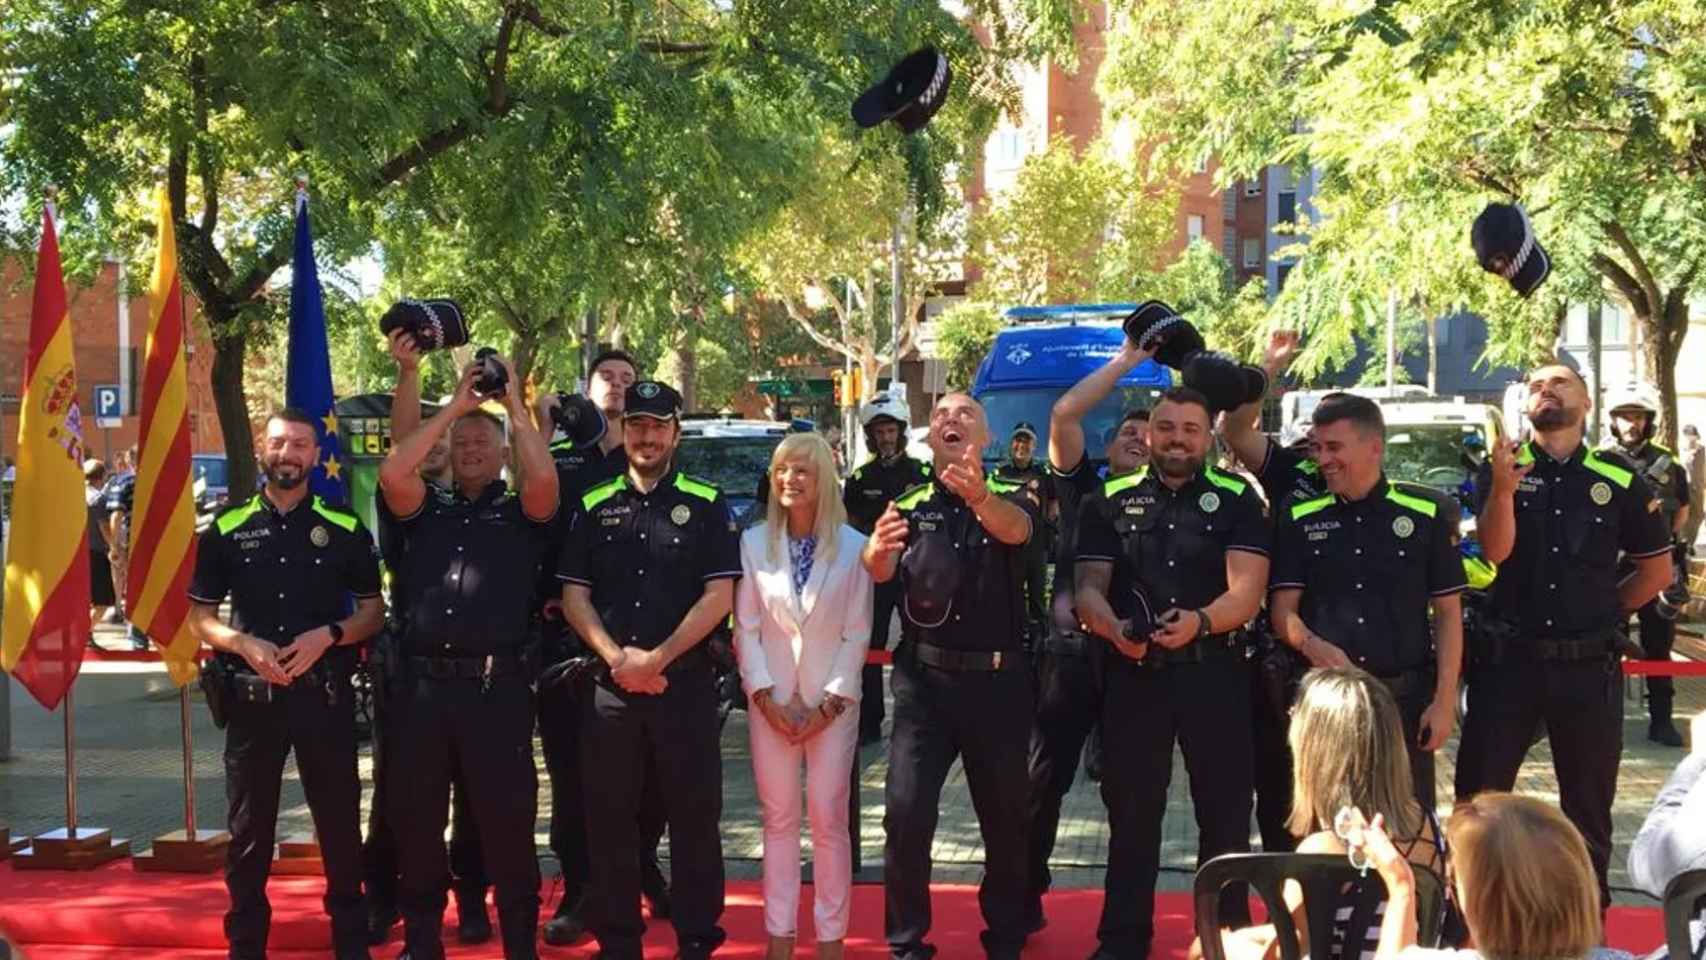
<point>422,939</point>
<point>381,918</point>
<point>566,927</point>
<point>520,926</point>
<point>1661,730</point>
<point>473,924</point>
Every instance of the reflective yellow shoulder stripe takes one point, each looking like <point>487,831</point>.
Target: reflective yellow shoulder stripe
<point>999,485</point>
<point>698,488</point>
<point>238,515</point>
<point>1426,508</point>
<point>1308,466</point>
<point>339,518</point>
<point>1525,454</point>
<point>1124,481</point>
<point>1225,482</point>
<point>915,496</point>
<point>603,491</point>
<point>1307,507</point>
<point>1479,572</point>
<point>1605,468</point>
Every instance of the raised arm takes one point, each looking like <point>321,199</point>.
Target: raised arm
<point>1239,428</point>
<point>1066,419</point>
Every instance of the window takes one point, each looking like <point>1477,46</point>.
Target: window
<point>1286,200</point>
<point>1252,253</point>
<point>1005,148</point>
<point>1614,326</point>
<point>1442,329</point>
<point>1280,273</point>
<point>1202,165</point>
<point>1193,228</point>
<point>1252,188</point>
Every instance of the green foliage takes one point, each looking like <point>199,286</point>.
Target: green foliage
<point>1232,319</point>
<point>964,334</point>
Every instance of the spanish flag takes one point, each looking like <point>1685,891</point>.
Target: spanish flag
<point>162,533</point>
<point>46,622</point>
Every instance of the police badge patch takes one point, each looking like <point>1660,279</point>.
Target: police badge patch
<point>1209,502</point>
<point>680,514</point>
<point>319,537</point>
<point>647,390</point>
<point>1403,526</point>
<point>1600,492</point>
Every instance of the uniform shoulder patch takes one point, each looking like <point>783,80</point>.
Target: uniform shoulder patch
<point>238,515</point>
<point>1415,497</point>
<point>1611,465</point>
<point>603,491</point>
<point>697,487</point>
<point>1225,481</point>
<point>914,496</point>
<point>1124,481</point>
<point>1304,508</point>
<point>1001,485</point>
<point>341,519</point>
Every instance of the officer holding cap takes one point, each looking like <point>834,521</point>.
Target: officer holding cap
<point>291,565</point>
<point>1172,563</point>
<point>648,572</point>
<point>466,699</point>
<point>1357,571</point>
<point>1554,518</point>
<point>962,684</point>
<point>1031,475</point>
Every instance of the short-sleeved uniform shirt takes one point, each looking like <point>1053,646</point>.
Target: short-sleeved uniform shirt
<point>870,488</point>
<point>577,472</point>
<point>647,556</point>
<point>960,588</point>
<point>1171,543</point>
<point>286,573</point>
<point>1369,568</point>
<point>470,567</point>
<point>1069,489</point>
<point>1285,473</point>
<point>1574,518</point>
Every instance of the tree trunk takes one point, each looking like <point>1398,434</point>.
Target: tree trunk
<point>525,354</point>
<point>688,367</point>
<point>1659,368</point>
<point>232,405</point>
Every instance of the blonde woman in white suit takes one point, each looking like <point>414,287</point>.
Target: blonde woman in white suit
<point>803,624</point>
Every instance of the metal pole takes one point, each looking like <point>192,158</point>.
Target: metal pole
<point>1391,342</point>
<point>896,298</point>
<point>124,380</point>
<point>1596,333</point>
<point>70,769</point>
<point>189,762</point>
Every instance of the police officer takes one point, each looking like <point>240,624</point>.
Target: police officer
<point>1069,692</point>
<point>1357,570</point>
<point>648,573</point>
<point>1172,562</point>
<point>962,684</point>
<point>1554,518</point>
<point>1634,419</point>
<point>466,702</point>
<point>467,867</point>
<point>290,564</point>
<point>1031,475</point>
<point>886,475</point>
<point>579,468</point>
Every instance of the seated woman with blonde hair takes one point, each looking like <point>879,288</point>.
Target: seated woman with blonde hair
<point>1522,878</point>
<point>1347,744</point>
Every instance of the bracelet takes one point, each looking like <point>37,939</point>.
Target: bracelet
<point>1204,626</point>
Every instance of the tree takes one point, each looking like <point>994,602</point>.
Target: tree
<point>965,332</point>
<point>1072,229</point>
<point>1415,115</point>
<point>1199,284</point>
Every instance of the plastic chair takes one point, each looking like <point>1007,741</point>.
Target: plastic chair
<point>1324,879</point>
<point>1685,896</point>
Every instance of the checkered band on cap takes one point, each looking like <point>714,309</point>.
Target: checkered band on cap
<point>1524,251</point>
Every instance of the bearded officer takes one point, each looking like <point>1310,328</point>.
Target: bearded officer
<point>962,683</point>
<point>1634,419</point>
<point>291,565</point>
<point>1554,519</point>
<point>1172,563</point>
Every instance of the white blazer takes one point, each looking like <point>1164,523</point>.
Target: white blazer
<point>813,643</point>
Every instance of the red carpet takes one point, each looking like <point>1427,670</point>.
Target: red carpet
<point>116,913</point>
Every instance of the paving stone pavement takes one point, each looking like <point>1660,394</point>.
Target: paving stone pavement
<point>129,765</point>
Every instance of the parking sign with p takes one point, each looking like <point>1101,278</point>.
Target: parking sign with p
<point>108,405</point>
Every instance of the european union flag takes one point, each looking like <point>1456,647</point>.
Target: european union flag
<point>308,370</point>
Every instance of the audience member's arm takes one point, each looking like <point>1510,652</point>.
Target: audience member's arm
<point>1673,837</point>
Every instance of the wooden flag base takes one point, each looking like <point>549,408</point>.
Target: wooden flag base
<point>176,853</point>
<point>58,850</point>
<point>299,855</point>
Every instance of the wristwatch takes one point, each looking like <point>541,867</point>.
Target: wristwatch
<point>1204,628</point>
<point>337,632</point>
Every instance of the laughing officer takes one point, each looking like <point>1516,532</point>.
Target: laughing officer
<point>290,564</point>
<point>648,572</point>
<point>1188,544</point>
<point>962,683</point>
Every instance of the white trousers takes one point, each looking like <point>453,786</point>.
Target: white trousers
<point>828,759</point>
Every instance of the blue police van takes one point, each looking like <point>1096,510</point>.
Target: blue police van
<point>1040,354</point>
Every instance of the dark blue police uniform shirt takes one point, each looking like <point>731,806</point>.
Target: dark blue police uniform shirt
<point>978,604</point>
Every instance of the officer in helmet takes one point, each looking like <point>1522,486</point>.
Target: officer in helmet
<point>1634,420</point>
<point>869,489</point>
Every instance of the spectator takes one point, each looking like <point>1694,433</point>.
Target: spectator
<point>1673,838</point>
<point>1694,463</point>
<point>104,606</point>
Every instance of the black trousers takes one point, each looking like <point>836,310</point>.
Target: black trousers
<point>675,734</point>
<point>1036,581</point>
<point>257,738</point>
<point>984,719</point>
<point>559,738</point>
<point>871,706</point>
<point>1069,702</point>
<point>1271,753</point>
<point>379,852</point>
<point>1206,708</point>
<point>438,726</point>
<point>1414,695</point>
<point>1581,703</point>
<point>1657,637</point>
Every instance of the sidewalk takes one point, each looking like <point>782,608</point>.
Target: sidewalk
<point>129,779</point>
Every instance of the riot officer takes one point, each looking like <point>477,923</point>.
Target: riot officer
<point>1634,419</point>
<point>291,564</point>
<point>581,466</point>
<point>962,684</point>
<point>465,699</point>
<point>1031,475</point>
<point>1357,570</point>
<point>1172,562</point>
<point>1554,517</point>
<point>648,573</point>
<point>1069,693</point>
<point>867,493</point>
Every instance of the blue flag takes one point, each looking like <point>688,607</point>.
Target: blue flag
<point>308,370</point>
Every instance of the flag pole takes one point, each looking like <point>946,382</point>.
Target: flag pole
<point>189,762</point>
<point>70,769</point>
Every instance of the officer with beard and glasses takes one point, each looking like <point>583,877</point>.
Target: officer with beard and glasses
<point>1634,420</point>
<point>1172,563</point>
<point>1555,518</point>
<point>291,565</point>
<point>1069,689</point>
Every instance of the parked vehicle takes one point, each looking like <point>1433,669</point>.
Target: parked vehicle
<point>733,455</point>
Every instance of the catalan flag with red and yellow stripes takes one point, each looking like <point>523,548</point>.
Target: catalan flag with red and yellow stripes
<point>46,624</point>
<point>162,529</point>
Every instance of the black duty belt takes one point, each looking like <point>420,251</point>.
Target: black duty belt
<point>1572,648</point>
<point>465,668</point>
<point>967,661</point>
<point>1217,647</point>
<point>1069,643</point>
<point>1498,648</point>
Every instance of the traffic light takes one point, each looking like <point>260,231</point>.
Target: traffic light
<point>835,383</point>
<point>857,387</point>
